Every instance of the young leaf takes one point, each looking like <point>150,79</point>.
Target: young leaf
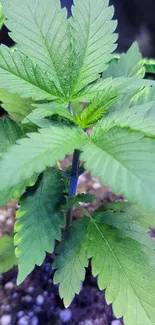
<point>38,151</point>
<point>93,41</point>
<point>129,64</point>
<point>96,109</point>
<point>7,254</point>
<point>16,106</point>
<point>124,160</point>
<point>126,269</point>
<point>39,221</point>
<point>71,261</point>
<point>18,73</point>
<point>40,30</point>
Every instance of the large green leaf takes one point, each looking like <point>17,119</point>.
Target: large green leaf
<point>19,74</point>
<point>39,221</point>
<point>125,268</point>
<point>137,117</point>
<point>16,106</point>
<point>71,261</point>
<point>40,30</point>
<point>38,151</point>
<point>7,254</point>
<point>93,42</point>
<point>129,64</point>
<point>124,160</point>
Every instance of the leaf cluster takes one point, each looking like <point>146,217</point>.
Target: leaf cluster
<point>64,92</point>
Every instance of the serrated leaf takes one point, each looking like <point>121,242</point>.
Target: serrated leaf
<point>39,221</point>
<point>7,254</point>
<point>16,106</point>
<point>125,268</point>
<point>129,64</point>
<point>48,110</point>
<point>18,73</point>
<point>72,260</point>
<point>124,160</point>
<point>128,219</point>
<point>121,85</point>
<point>137,117</point>
<point>14,192</point>
<point>93,41</point>
<point>38,151</point>
<point>41,32</point>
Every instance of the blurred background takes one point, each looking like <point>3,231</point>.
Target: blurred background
<point>36,301</point>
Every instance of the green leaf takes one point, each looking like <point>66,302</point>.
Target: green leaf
<point>16,106</point>
<point>48,110</point>
<point>39,221</point>
<point>129,64</point>
<point>149,65</point>
<point>18,73</point>
<point>93,41</point>
<point>97,108</point>
<point>40,30</point>
<point>128,219</point>
<point>2,18</point>
<point>38,151</point>
<point>124,160</point>
<point>14,192</point>
<point>7,254</point>
<point>9,133</point>
<point>120,85</point>
<point>126,269</point>
<point>72,260</point>
<point>140,118</point>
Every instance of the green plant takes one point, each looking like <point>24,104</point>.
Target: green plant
<point>59,81</point>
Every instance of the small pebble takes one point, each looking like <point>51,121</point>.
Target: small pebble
<point>34,321</point>
<point>30,289</point>
<point>9,222</point>
<point>2,217</point>
<point>5,320</point>
<point>30,314</point>
<point>15,295</point>
<point>45,294</point>
<point>65,315</point>
<point>23,321</point>
<point>20,314</point>
<point>40,300</point>
<point>116,322</point>
<point>9,286</point>
<point>27,299</point>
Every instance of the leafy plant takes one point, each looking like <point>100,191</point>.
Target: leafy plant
<point>65,94</point>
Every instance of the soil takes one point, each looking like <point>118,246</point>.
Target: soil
<point>36,301</point>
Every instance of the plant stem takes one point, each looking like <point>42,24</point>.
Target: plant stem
<point>73,183</point>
